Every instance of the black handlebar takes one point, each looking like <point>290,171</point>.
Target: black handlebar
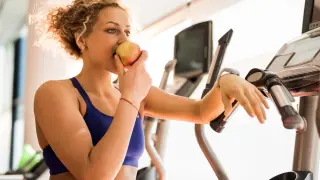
<point>219,123</point>
<point>214,71</point>
<point>217,61</point>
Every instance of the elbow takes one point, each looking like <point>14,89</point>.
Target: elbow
<point>95,174</point>
<point>98,169</point>
<point>98,172</point>
<point>86,174</point>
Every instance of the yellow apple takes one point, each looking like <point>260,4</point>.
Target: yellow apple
<point>128,52</point>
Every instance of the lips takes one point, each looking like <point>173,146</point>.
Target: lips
<point>114,49</point>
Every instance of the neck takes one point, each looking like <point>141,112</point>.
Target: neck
<point>97,81</point>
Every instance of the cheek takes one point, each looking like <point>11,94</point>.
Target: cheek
<point>101,50</point>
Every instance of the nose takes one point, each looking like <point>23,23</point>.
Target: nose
<point>123,37</point>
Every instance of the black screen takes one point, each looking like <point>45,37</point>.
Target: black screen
<point>311,17</point>
<point>191,50</point>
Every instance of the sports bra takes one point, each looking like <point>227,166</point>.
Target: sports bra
<point>98,124</point>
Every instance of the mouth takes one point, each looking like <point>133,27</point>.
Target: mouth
<point>114,49</point>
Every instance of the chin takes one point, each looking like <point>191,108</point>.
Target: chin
<point>112,71</point>
<point>111,68</point>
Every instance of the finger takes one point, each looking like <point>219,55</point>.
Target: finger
<point>263,112</point>
<point>263,99</point>
<point>227,102</point>
<point>119,65</point>
<point>245,103</point>
<point>141,60</point>
<point>261,107</point>
<point>255,104</point>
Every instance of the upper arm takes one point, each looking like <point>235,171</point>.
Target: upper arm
<point>57,113</point>
<point>160,104</point>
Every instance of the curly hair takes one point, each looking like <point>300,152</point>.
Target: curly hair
<point>78,17</point>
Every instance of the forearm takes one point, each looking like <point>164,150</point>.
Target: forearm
<point>106,158</point>
<point>211,105</point>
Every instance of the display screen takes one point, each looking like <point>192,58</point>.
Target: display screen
<point>311,17</point>
<point>278,62</point>
<point>316,11</point>
<point>302,58</point>
<point>191,51</point>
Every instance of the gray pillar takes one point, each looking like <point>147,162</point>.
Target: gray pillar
<point>42,66</point>
<point>306,152</point>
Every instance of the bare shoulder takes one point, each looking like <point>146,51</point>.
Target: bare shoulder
<point>53,85</point>
<point>55,94</point>
<point>55,89</point>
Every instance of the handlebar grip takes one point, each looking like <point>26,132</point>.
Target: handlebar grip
<point>291,118</point>
<point>282,99</point>
<point>213,76</point>
<point>219,123</point>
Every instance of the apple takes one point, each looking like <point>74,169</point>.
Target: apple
<point>128,52</point>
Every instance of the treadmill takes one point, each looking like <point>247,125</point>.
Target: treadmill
<point>293,72</point>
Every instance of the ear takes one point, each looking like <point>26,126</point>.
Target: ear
<point>80,40</point>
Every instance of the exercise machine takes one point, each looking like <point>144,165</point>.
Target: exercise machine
<point>31,166</point>
<point>156,152</point>
<point>189,67</point>
<point>200,128</point>
<point>293,72</point>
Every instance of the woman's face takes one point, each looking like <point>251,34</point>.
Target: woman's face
<point>111,29</point>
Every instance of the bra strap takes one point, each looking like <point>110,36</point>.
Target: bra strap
<point>82,92</point>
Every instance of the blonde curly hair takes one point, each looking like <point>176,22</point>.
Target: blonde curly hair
<point>78,17</point>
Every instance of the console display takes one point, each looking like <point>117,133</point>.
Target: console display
<point>193,50</point>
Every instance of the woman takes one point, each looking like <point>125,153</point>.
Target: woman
<point>88,128</point>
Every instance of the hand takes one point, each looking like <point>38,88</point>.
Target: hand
<point>234,87</point>
<point>135,83</point>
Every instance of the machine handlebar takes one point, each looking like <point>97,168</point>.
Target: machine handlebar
<point>282,98</point>
<point>213,74</point>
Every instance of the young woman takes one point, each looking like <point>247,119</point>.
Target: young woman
<point>90,129</point>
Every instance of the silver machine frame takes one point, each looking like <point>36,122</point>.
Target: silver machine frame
<point>307,143</point>
<point>156,150</point>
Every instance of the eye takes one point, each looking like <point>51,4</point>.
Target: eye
<point>111,30</point>
<point>127,33</point>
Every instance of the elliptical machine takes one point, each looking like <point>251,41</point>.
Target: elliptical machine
<point>293,72</point>
<point>189,66</point>
<point>156,170</point>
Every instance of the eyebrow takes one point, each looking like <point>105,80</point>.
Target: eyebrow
<point>112,22</point>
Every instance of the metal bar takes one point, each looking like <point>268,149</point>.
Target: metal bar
<point>162,137</point>
<point>156,155</point>
<point>163,125</point>
<point>318,117</point>
<point>209,153</point>
<point>306,152</point>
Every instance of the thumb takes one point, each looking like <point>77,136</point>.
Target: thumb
<point>227,102</point>
<point>119,65</point>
